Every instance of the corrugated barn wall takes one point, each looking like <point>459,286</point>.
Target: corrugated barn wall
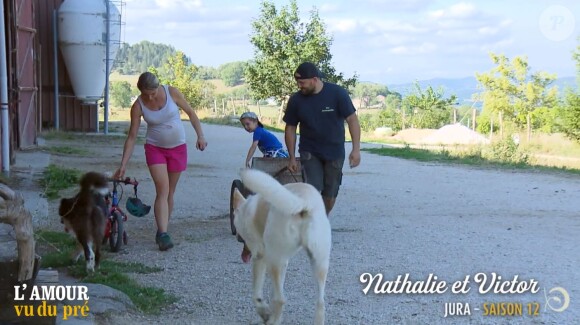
<point>31,74</point>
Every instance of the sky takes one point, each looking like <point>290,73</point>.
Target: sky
<point>382,41</point>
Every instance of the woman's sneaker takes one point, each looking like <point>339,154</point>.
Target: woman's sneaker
<point>164,241</point>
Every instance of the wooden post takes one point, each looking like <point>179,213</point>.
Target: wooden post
<point>491,128</point>
<point>454,115</point>
<point>474,113</point>
<point>233,106</point>
<point>13,212</point>
<point>500,125</point>
<point>281,111</point>
<point>529,121</point>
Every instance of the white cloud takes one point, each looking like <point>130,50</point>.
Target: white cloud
<point>497,46</point>
<point>488,30</point>
<point>396,5</point>
<point>424,48</point>
<point>441,30</point>
<point>380,38</point>
<point>329,8</point>
<point>190,4</point>
<point>462,10</point>
<point>342,25</point>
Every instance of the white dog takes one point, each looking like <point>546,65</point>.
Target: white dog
<point>275,223</point>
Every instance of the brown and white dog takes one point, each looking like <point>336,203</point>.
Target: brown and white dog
<point>86,215</point>
<point>275,224</point>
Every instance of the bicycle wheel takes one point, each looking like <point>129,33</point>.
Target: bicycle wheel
<point>236,184</point>
<point>116,235</point>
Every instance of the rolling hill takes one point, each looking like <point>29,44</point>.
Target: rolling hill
<point>464,88</point>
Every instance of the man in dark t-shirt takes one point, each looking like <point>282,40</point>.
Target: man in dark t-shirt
<point>320,109</point>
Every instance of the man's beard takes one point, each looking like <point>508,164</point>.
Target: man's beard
<point>307,91</point>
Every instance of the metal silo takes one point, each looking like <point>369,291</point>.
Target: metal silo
<point>82,38</point>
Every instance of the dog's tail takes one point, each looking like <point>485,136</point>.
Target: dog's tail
<point>92,180</point>
<point>273,192</point>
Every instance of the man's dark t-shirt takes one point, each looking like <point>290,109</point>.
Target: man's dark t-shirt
<point>321,120</point>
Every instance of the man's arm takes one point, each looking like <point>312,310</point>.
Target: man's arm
<point>290,139</point>
<point>354,129</point>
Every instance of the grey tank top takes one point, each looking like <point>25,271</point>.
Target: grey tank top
<point>164,126</point>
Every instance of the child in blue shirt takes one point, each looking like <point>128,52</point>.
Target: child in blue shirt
<point>263,139</point>
<point>268,144</point>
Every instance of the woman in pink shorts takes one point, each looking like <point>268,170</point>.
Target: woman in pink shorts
<point>165,148</point>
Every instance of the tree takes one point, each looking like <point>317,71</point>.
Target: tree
<point>571,123</point>
<point>137,58</point>
<point>368,92</point>
<point>571,111</point>
<point>393,101</point>
<point>281,42</point>
<point>531,92</point>
<point>232,73</point>
<point>177,72</point>
<point>429,108</point>
<point>511,91</point>
<point>576,57</point>
<point>121,93</point>
<point>207,73</point>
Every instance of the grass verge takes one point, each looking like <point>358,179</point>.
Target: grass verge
<point>469,157</point>
<point>61,150</point>
<point>56,178</point>
<point>57,249</point>
<point>59,135</point>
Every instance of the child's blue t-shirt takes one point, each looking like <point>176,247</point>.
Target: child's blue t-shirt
<point>266,140</point>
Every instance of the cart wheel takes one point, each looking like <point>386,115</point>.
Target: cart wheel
<point>236,184</point>
<point>107,233</point>
<point>116,239</point>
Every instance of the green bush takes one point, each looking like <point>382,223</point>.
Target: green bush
<point>507,151</point>
<point>367,122</point>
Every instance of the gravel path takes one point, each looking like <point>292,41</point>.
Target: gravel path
<point>392,217</point>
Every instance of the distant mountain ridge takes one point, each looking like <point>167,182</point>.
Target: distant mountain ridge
<point>464,88</point>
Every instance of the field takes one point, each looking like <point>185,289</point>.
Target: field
<point>221,88</point>
<point>546,149</point>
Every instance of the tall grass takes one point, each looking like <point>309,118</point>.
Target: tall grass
<point>556,144</point>
<point>57,248</point>
<point>504,153</point>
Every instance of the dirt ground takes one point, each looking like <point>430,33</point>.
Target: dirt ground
<point>393,217</point>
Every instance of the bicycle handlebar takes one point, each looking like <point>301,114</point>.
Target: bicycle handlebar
<point>126,181</point>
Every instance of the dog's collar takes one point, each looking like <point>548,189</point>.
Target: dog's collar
<point>71,208</point>
<point>93,190</point>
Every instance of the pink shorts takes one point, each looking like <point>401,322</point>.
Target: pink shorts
<point>175,158</point>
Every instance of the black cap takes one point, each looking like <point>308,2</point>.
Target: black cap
<point>307,70</point>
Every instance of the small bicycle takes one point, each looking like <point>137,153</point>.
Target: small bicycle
<point>114,231</point>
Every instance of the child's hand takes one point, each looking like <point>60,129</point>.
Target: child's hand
<point>248,164</point>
